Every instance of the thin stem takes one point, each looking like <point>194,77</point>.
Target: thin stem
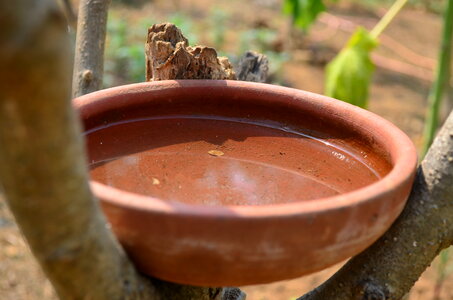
<point>89,54</point>
<point>387,19</point>
<point>442,78</point>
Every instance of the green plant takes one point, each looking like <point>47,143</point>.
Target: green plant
<point>218,23</point>
<point>124,61</point>
<point>442,78</point>
<point>303,12</point>
<point>349,74</point>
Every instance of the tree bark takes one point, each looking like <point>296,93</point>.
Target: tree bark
<point>253,66</point>
<point>390,267</point>
<point>173,291</point>
<point>43,169</point>
<point>90,41</point>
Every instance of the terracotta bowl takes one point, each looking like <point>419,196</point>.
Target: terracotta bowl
<point>221,183</point>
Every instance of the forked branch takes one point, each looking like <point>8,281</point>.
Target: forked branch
<point>390,267</point>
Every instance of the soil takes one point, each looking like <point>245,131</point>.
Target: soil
<point>399,92</point>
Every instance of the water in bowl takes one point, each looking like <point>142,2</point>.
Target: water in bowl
<point>223,161</point>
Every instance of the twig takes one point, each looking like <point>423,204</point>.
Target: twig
<point>388,17</point>
<point>89,54</point>
<point>442,78</point>
<point>402,51</point>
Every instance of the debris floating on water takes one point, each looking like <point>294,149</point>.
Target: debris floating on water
<point>215,152</point>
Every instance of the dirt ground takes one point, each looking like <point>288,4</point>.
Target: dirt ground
<point>405,62</point>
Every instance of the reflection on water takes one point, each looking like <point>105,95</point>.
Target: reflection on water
<point>222,162</point>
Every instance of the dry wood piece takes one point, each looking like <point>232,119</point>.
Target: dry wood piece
<point>254,67</point>
<point>169,56</point>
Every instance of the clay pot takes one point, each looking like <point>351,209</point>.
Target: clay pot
<point>221,183</point>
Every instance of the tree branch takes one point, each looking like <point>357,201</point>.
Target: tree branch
<point>43,169</point>
<point>173,291</point>
<point>90,41</point>
<point>391,266</point>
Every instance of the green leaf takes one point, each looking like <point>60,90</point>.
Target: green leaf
<point>291,8</point>
<point>303,12</point>
<point>349,73</point>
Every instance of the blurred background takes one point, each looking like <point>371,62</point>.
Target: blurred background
<point>405,65</point>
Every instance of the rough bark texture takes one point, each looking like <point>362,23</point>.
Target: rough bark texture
<point>169,56</point>
<point>43,169</point>
<point>173,291</point>
<point>391,266</point>
<point>89,56</point>
<point>253,66</point>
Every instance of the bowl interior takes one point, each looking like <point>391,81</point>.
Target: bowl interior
<point>218,146</point>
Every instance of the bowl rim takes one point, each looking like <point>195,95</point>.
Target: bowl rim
<point>400,148</point>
